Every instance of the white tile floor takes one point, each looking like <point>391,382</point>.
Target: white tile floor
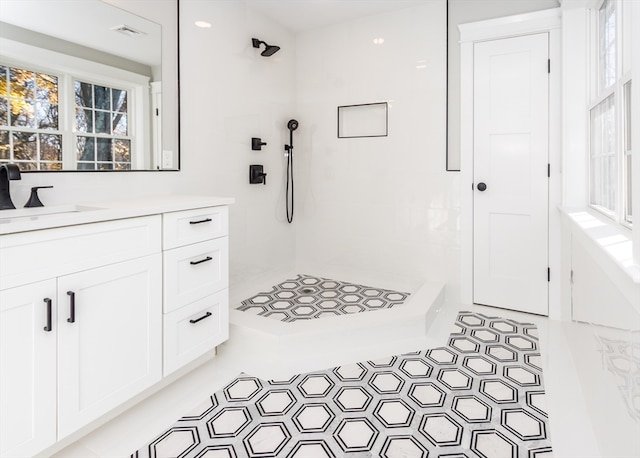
<point>588,413</point>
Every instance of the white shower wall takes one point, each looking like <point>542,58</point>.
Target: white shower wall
<point>229,94</point>
<point>384,205</point>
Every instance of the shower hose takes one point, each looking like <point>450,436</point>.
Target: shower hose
<point>289,186</point>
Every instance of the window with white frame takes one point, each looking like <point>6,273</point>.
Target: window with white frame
<point>610,112</point>
<point>39,113</point>
<point>101,124</point>
<point>30,133</point>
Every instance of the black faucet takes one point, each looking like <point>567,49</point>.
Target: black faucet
<point>7,172</point>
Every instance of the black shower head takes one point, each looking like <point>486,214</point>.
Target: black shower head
<point>269,50</point>
<point>292,125</point>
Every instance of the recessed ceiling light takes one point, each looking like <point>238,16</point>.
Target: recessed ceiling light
<point>203,24</point>
<point>378,41</point>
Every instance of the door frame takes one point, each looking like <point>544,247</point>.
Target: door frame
<point>545,21</point>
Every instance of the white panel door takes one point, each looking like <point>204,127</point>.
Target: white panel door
<point>110,346</point>
<point>27,369</point>
<point>511,153</point>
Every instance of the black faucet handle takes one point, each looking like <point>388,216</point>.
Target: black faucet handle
<point>34,200</point>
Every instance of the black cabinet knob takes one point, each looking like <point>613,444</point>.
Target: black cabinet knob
<point>482,186</point>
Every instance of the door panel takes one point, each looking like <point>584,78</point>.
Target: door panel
<point>511,156</point>
<point>112,349</point>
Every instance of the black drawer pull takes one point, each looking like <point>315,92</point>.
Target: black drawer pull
<point>206,315</point>
<point>49,326</point>
<point>208,258</point>
<point>208,220</point>
<point>72,307</point>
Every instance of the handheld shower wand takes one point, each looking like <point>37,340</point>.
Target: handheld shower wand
<point>291,125</point>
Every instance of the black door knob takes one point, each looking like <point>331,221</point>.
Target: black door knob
<point>482,186</point>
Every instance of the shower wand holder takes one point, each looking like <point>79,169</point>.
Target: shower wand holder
<point>257,175</point>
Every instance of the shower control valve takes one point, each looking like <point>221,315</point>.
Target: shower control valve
<point>257,144</point>
<point>257,174</point>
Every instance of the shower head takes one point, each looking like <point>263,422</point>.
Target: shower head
<point>269,50</point>
<point>292,125</point>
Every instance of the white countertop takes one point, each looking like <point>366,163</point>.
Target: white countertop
<point>33,219</point>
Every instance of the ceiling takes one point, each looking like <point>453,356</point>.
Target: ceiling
<point>300,15</point>
<point>295,15</point>
<point>89,23</point>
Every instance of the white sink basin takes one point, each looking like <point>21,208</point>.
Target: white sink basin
<point>42,212</point>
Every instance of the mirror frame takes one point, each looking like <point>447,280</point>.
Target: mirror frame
<point>177,112</point>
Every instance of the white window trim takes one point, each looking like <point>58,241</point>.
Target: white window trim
<point>68,68</point>
<point>596,97</point>
<point>635,130</point>
<point>577,23</point>
<point>622,201</point>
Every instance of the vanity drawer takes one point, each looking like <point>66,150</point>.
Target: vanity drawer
<point>193,226</point>
<point>195,271</point>
<point>195,329</point>
<point>27,257</point>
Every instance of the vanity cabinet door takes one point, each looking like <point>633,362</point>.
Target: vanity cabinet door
<point>27,369</point>
<point>109,338</point>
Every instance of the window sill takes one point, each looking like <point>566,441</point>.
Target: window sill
<point>612,241</point>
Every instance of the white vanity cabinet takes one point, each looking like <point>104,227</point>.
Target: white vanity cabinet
<point>196,281</point>
<point>83,327</point>
<point>84,340</point>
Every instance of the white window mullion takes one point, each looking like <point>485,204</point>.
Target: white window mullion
<point>67,116</point>
<point>619,150</point>
<point>619,154</point>
<point>609,177</point>
<point>635,131</point>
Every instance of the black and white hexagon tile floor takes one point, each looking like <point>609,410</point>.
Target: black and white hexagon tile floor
<point>306,297</point>
<point>480,396</point>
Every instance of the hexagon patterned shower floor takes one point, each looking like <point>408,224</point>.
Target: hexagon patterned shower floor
<point>480,396</point>
<point>306,297</point>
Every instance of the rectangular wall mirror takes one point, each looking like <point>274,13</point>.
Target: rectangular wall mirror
<point>83,87</point>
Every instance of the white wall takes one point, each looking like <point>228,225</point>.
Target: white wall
<point>229,93</point>
<point>377,204</point>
